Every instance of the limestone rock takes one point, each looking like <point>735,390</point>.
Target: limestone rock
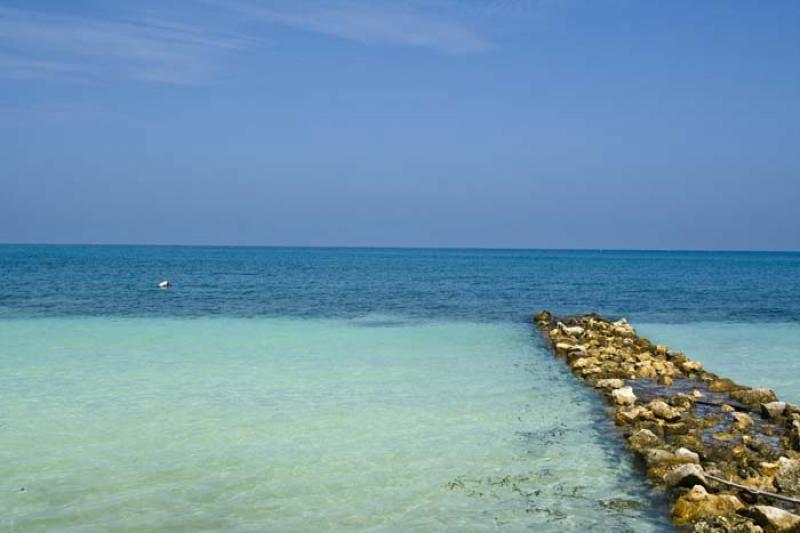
<point>643,439</point>
<point>624,396</point>
<point>775,519</point>
<point>574,330</point>
<point>664,411</point>
<point>727,524</point>
<point>788,477</point>
<point>691,366</point>
<point>687,456</point>
<point>754,397</point>
<point>698,503</point>
<point>612,383</point>
<point>566,347</point>
<point>682,400</point>
<point>645,370</point>
<point>742,421</point>
<point>583,362</point>
<point>723,385</point>
<point>773,409</point>
<point>687,475</point>
<point>542,317</point>
<point>794,435</point>
<point>768,469</point>
<point>657,456</point>
<point>628,416</point>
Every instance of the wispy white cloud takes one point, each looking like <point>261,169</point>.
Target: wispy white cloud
<point>36,44</point>
<point>433,25</point>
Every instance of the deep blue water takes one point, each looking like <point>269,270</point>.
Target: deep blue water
<point>480,285</point>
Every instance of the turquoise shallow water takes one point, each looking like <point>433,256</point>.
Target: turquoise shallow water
<point>762,354</point>
<point>347,389</point>
<point>279,424</point>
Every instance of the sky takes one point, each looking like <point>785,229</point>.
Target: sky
<point>419,123</point>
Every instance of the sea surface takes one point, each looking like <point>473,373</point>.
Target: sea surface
<point>290,389</point>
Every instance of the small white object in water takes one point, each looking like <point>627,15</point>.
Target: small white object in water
<point>164,285</point>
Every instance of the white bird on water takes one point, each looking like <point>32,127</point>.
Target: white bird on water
<point>164,285</point>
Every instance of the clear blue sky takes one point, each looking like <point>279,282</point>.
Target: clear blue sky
<point>551,123</point>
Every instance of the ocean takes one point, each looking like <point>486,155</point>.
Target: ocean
<point>292,389</point>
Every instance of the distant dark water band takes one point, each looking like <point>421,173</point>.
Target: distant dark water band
<point>476,285</point>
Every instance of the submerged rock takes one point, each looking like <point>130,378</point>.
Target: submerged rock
<point>723,385</point>
<point>727,524</point>
<point>742,421</point>
<point>682,400</point>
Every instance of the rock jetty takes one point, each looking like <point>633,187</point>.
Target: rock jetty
<point>727,455</point>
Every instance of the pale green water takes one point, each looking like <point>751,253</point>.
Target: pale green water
<point>302,425</point>
<point>375,424</point>
<point>758,355</point>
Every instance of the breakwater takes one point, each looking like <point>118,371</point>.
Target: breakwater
<point>727,455</point>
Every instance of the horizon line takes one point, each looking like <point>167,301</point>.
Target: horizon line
<point>389,247</point>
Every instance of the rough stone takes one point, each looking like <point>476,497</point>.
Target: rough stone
<point>682,400</point>
<point>612,383</point>
<point>574,330</point>
<point>773,409</point>
<point>726,524</point>
<point>583,362</point>
<point>723,385</point>
<point>698,503</point>
<point>775,519</point>
<point>664,411</point>
<point>624,396</point>
<point>686,475</point>
<point>643,439</point>
<point>679,436</point>
<point>628,416</point>
<point>687,456</point>
<point>787,478</point>
<point>542,317</point>
<point>742,421</point>
<point>754,397</point>
<point>691,366</point>
<point>566,347</point>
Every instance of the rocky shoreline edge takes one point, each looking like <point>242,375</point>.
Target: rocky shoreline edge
<point>727,455</point>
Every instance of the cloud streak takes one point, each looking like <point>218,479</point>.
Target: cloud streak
<point>42,45</point>
<point>46,45</point>
<point>377,22</point>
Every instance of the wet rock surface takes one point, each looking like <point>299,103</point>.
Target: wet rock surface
<point>728,455</point>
